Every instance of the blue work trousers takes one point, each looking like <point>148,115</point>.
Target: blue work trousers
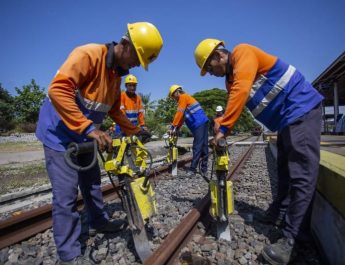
<point>66,219</point>
<point>200,147</point>
<point>298,167</point>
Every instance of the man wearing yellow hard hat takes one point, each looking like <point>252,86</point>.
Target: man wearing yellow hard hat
<point>85,89</point>
<point>279,97</point>
<point>131,104</point>
<point>190,111</point>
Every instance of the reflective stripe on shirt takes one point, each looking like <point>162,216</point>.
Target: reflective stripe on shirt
<point>131,111</point>
<point>275,90</point>
<point>93,105</point>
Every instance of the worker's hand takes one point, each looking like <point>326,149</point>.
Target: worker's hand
<point>104,141</point>
<point>144,136</point>
<point>144,128</point>
<point>172,132</point>
<point>218,136</point>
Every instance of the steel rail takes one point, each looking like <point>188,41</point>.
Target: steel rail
<point>20,227</point>
<point>169,250</point>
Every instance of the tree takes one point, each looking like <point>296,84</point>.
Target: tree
<point>165,110</point>
<point>210,99</point>
<point>6,109</point>
<point>159,119</point>
<point>148,104</point>
<point>28,102</point>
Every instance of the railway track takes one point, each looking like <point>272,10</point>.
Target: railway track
<point>28,224</point>
<point>169,250</point>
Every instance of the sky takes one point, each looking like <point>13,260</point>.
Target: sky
<point>37,35</point>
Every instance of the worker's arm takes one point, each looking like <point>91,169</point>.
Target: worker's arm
<point>141,114</point>
<point>245,67</point>
<point>62,91</point>
<point>179,115</point>
<point>121,119</point>
<point>123,104</point>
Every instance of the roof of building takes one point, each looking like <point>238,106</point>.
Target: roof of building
<point>334,73</point>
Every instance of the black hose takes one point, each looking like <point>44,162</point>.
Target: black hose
<point>75,149</point>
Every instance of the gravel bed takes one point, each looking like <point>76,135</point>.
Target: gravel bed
<point>19,137</point>
<point>253,191</point>
<point>175,197</point>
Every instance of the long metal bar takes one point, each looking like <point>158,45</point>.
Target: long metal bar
<point>30,223</point>
<point>171,246</point>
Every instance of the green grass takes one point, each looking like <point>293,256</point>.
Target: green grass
<point>15,176</point>
<point>20,146</point>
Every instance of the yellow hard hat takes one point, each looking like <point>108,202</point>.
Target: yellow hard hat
<point>203,51</point>
<point>131,79</point>
<point>146,40</point>
<point>173,88</point>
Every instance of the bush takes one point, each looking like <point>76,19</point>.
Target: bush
<point>26,127</point>
<point>185,132</point>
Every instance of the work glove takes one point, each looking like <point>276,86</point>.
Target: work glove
<point>144,136</point>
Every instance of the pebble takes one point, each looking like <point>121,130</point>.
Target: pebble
<point>19,137</point>
<point>175,197</point>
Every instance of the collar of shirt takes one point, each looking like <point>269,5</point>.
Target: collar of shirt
<point>131,95</point>
<point>229,70</point>
<point>111,60</point>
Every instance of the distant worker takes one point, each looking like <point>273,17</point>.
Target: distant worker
<point>131,104</point>
<point>85,89</point>
<point>279,97</point>
<point>190,111</point>
<point>111,129</point>
<point>218,119</point>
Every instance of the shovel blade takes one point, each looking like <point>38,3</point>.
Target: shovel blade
<point>174,168</point>
<point>223,231</point>
<point>142,244</point>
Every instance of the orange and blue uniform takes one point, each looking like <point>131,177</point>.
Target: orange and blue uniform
<point>276,93</point>
<point>84,90</point>
<point>133,108</point>
<point>278,96</point>
<point>190,111</point>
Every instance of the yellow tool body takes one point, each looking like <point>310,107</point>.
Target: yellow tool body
<point>171,158</point>
<point>133,167</point>
<point>127,163</point>
<point>222,202</point>
<point>144,198</point>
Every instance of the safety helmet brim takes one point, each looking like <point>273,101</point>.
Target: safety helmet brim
<point>173,89</point>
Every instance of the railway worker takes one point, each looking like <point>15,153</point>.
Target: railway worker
<point>131,104</point>
<point>190,111</point>
<point>278,96</point>
<point>84,90</point>
<point>218,119</point>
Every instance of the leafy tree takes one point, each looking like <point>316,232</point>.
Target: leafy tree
<point>6,109</point>
<point>147,103</point>
<point>165,110</point>
<point>159,119</point>
<point>210,99</point>
<point>28,102</point>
